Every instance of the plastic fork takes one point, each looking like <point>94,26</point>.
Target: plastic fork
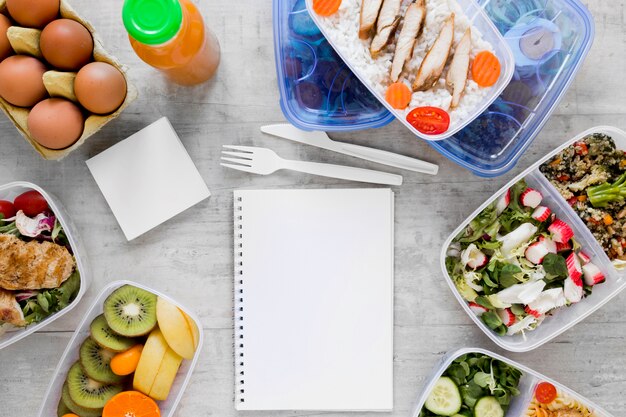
<point>264,161</point>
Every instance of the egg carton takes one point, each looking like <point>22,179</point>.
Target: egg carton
<point>25,41</point>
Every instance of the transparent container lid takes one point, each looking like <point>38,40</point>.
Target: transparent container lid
<point>550,40</point>
<point>317,90</point>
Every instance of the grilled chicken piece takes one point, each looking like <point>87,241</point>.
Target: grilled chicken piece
<point>435,60</point>
<point>33,265</point>
<point>10,311</point>
<point>388,20</point>
<point>459,68</point>
<point>369,14</point>
<point>413,21</point>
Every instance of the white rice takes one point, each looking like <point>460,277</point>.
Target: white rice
<point>343,30</point>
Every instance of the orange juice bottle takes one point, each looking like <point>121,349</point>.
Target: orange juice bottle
<point>170,35</point>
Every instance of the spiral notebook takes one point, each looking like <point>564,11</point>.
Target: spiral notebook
<point>314,299</point>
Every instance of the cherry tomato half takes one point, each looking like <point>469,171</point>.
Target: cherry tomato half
<point>7,209</point>
<point>31,203</point>
<point>545,392</point>
<point>429,120</point>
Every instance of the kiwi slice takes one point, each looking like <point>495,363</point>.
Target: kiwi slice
<point>62,409</point>
<point>131,311</point>
<point>87,392</point>
<point>68,403</point>
<point>95,361</point>
<point>107,338</point>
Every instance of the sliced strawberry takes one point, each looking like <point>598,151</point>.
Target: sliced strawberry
<point>531,198</point>
<point>584,258</point>
<point>573,266</point>
<point>563,247</point>
<point>536,252</point>
<point>503,201</point>
<point>541,213</point>
<point>473,257</point>
<point>477,308</point>
<point>549,244</point>
<point>532,312</point>
<point>573,289</point>
<point>592,274</point>
<point>507,316</point>
<point>561,231</point>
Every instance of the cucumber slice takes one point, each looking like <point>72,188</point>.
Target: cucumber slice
<point>445,398</point>
<point>488,407</point>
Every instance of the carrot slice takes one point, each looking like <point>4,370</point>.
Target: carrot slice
<point>326,7</point>
<point>486,69</point>
<point>398,95</point>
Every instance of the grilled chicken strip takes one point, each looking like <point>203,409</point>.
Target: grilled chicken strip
<point>413,21</point>
<point>369,14</point>
<point>459,68</point>
<point>388,20</point>
<point>10,311</point>
<point>435,60</point>
<point>33,265</point>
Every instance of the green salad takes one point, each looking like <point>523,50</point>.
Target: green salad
<point>474,385</point>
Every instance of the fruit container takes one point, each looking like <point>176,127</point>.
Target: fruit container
<point>317,90</point>
<point>9,192</point>
<point>25,41</point>
<point>528,382</point>
<point>480,20</point>
<point>566,317</point>
<point>561,32</point>
<point>167,407</point>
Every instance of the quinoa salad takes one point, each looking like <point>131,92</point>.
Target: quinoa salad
<point>591,176</point>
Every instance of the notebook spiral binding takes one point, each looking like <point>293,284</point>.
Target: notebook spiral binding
<point>238,316</point>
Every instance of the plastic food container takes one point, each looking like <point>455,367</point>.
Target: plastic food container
<point>560,33</point>
<point>167,407</point>
<point>565,317</point>
<point>9,192</point>
<point>317,90</point>
<point>528,382</point>
<point>490,33</point>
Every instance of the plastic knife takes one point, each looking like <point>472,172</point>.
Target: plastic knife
<point>321,140</point>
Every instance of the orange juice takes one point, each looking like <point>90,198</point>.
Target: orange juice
<point>170,35</point>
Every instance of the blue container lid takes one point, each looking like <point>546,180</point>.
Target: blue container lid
<point>317,90</point>
<point>550,39</point>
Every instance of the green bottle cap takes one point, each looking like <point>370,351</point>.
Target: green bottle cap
<point>152,22</point>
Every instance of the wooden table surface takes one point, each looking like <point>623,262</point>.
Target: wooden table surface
<point>190,257</point>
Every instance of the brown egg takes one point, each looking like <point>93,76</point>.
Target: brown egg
<point>100,87</point>
<point>33,13</point>
<point>66,44</point>
<point>56,123</point>
<point>21,80</point>
<point>5,46</point>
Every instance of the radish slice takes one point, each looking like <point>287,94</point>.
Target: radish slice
<point>561,231</point>
<point>531,198</point>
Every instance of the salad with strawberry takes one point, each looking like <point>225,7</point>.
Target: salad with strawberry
<point>516,262</point>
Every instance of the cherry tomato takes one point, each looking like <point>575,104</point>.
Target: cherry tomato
<point>429,120</point>
<point>545,392</point>
<point>31,203</point>
<point>7,209</point>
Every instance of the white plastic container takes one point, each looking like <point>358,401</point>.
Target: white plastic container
<point>167,407</point>
<point>519,404</point>
<point>479,19</point>
<point>565,317</point>
<point>9,192</point>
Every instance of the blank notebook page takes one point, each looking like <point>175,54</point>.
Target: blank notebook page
<point>314,299</point>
